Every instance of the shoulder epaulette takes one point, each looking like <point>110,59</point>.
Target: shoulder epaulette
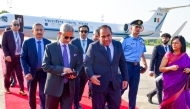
<point>141,38</point>
<point>126,37</point>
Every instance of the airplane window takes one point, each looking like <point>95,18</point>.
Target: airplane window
<point>4,18</point>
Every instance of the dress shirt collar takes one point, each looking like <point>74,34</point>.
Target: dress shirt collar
<point>83,39</point>
<point>134,37</point>
<point>61,43</point>
<point>165,45</point>
<point>111,45</point>
<point>37,39</point>
<point>14,32</point>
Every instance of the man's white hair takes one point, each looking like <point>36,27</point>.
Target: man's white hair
<point>65,27</point>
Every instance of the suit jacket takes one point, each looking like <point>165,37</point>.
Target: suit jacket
<point>53,65</point>
<point>76,42</point>
<point>97,63</point>
<point>29,56</point>
<point>157,55</point>
<point>8,43</point>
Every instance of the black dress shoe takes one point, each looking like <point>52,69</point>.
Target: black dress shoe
<point>149,98</point>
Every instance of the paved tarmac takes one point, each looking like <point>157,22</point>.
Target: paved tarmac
<point>146,85</point>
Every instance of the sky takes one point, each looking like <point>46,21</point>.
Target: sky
<point>114,11</point>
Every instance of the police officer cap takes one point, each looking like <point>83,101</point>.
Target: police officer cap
<point>137,22</point>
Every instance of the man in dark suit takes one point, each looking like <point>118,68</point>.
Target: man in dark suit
<point>157,55</point>
<point>13,80</point>
<point>82,44</point>
<point>102,61</point>
<point>31,61</point>
<point>60,59</point>
<point>11,44</point>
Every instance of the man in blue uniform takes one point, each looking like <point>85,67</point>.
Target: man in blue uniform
<point>134,47</point>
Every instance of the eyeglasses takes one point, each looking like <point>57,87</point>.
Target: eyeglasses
<point>16,24</point>
<point>84,31</point>
<point>67,37</point>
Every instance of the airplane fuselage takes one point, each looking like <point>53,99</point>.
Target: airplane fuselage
<point>52,25</point>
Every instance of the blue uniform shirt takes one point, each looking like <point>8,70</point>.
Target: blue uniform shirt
<point>133,48</point>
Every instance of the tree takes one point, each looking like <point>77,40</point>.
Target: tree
<point>4,11</point>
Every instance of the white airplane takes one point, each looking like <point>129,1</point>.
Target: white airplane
<point>150,28</point>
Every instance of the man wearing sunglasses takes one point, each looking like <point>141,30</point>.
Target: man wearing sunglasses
<point>11,44</point>
<point>82,44</point>
<point>61,61</point>
<point>13,80</point>
<point>31,60</point>
<point>102,61</point>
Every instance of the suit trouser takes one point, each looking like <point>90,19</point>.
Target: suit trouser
<point>111,96</point>
<point>134,77</point>
<point>76,96</point>
<point>10,66</point>
<point>40,78</point>
<point>65,100</point>
<point>82,81</point>
<point>157,90</point>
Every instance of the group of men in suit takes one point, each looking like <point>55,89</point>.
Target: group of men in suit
<point>53,65</point>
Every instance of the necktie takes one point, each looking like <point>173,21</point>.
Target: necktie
<point>109,53</point>
<point>65,60</point>
<point>17,43</point>
<point>39,55</point>
<point>83,46</point>
<point>165,48</point>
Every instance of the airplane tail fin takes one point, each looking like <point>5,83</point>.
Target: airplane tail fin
<point>179,29</point>
<point>159,16</point>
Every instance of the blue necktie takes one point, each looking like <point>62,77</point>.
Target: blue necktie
<point>166,48</point>
<point>39,55</point>
<point>65,60</point>
<point>83,46</point>
<point>109,53</point>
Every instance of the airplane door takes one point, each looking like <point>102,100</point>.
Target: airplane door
<point>21,21</point>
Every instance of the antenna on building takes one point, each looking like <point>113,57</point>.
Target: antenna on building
<point>102,17</point>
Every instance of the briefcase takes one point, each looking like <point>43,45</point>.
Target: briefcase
<point>187,87</point>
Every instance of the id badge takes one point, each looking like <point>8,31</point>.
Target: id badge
<point>84,56</point>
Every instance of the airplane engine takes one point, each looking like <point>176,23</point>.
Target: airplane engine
<point>126,29</point>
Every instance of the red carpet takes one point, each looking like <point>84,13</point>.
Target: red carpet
<point>16,101</point>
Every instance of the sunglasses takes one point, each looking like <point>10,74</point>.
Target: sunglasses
<point>67,37</point>
<point>16,24</point>
<point>84,31</point>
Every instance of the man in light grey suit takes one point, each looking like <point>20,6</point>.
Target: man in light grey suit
<point>60,59</point>
<point>102,61</point>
